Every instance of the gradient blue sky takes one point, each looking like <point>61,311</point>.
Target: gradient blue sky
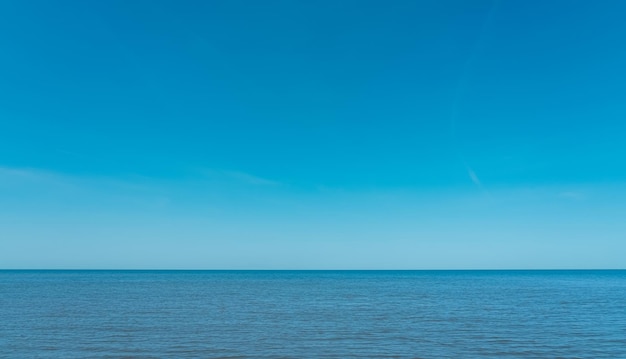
<point>318,134</point>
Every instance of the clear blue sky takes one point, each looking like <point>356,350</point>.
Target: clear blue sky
<point>317,134</point>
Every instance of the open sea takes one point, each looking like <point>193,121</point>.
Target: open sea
<point>313,314</point>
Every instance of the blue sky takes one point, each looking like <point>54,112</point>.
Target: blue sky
<point>326,134</point>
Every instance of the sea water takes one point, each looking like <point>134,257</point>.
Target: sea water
<point>313,314</point>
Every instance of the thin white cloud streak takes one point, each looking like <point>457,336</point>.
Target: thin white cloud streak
<point>474,177</point>
<point>36,174</point>
<point>44,177</point>
<point>30,187</point>
<point>250,179</point>
<point>573,195</point>
<point>25,176</point>
<point>238,177</point>
<point>25,173</point>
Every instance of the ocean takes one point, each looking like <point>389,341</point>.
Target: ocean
<point>313,314</point>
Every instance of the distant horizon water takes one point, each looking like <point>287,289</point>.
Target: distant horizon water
<point>313,314</point>
<point>316,270</point>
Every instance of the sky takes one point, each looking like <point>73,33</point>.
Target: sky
<point>239,134</point>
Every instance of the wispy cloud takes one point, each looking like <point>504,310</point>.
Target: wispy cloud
<point>15,172</point>
<point>44,177</point>
<point>573,195</point>
<point>30,183</point>
<point>30,174</point>
<point>472,175</point>
<point>240,177</point>
<point>251,179</point>
<point>21,174</point>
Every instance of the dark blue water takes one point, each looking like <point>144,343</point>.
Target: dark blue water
<point>292,314</point>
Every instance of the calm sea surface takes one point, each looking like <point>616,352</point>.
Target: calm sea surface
<point>313,314</point>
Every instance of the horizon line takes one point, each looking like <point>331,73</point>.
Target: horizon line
<point>310,270</point>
